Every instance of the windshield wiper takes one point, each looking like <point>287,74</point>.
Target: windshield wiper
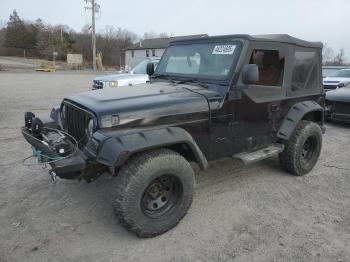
<point>193,81</point>
<point>161,76</point>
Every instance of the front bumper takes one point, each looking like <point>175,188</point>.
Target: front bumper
<point>70,167</point>
<point>345,118</point>
<point>338,112</point>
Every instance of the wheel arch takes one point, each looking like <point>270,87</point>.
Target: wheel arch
<point>314,116</point>
<point>115,151</point>
<point>306,110</point>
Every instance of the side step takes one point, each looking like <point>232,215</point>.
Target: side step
<point>251,157</point>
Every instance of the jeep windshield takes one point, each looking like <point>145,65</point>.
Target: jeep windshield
<point>198,61</point>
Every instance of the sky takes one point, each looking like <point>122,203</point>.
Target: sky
<point>313,20</point>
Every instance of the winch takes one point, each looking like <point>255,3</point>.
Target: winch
<point>53,146</point>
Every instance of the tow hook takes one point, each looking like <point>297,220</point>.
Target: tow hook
<point>53,175</point>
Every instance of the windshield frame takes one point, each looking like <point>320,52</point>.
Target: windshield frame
<point>200,78</point>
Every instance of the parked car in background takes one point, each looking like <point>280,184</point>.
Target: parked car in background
<point>338,105</point>
<point>340,79</point>
<point>136,76</point>
<point>329,71</point>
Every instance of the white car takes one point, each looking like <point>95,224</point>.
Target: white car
<point>340,79</point>
<point>328,71</point>
<point>136,76</point>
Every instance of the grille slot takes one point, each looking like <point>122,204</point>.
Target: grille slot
<point>97,84</point>
<point>342,108</point>
<point>75,121</point>
<point>330,87</point>
<point>341,118</point>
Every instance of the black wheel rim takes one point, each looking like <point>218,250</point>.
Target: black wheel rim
<point>308,149</point>
<point>161,196</point>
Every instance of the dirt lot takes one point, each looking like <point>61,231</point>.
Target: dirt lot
<point>255,213</point>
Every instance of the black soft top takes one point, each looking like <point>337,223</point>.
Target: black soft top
<point>280,38</point>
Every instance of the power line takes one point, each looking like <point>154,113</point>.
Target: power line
<point>95,8</point>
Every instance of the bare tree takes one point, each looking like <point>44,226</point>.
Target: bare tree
<point>164,35</point>
<point>339,59</point>
<point>112,42</point>
<point>86,29</point>
<point>2,36</point>
<point>327,55</point>
<point>151,34</point>
<point>2,23</point>
<point>41,39</point>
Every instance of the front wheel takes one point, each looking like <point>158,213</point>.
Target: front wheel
<point>153,192</point>
<point>303,149</point>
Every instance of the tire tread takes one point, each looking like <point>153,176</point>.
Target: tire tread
<point>128,173</point>
<point>288,158</point>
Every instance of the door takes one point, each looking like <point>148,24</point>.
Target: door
<point>259,109</point>
<point>220,130</point>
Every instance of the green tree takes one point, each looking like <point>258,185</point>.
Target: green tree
<point>15,31</point>
<point>18,34</point>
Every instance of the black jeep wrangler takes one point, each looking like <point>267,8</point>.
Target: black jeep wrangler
<point>241,96</point>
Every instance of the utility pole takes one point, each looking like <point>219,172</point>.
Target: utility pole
<point>94,9</point>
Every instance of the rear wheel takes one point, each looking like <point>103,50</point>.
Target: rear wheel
<point>153,192</point>
<point>303,149</point>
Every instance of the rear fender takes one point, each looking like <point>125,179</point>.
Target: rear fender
<point>298,112</point>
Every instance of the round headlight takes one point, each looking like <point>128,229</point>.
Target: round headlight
<point>89,130</point>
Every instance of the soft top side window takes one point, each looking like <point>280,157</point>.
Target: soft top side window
<point>305,75</point>
<point>271,66</point>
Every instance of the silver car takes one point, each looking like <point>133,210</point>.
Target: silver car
<point>340,79</point>
<point>330,71</point>
<point>136,76</point>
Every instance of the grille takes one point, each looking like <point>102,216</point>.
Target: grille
<point>75,122</point>
<point>341,118</point>
<point>97,84</point>
<point>341,108</point>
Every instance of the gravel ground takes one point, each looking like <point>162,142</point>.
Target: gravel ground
<point>253,213</point>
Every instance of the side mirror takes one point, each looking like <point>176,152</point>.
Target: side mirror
<point>150,69</point>
<point>250,74</point>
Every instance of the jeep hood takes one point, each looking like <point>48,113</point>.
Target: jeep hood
<point>158,102</point>
<point>120,77</point>
<point>339,95</point>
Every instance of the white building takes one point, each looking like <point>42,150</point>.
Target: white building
<point>149,48</point>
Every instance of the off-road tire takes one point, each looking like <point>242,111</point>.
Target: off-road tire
<point>134,179</point>
<point>293,158</point>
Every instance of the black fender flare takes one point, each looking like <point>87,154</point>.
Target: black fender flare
<point>295,114</point>
<point>116,150</point>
